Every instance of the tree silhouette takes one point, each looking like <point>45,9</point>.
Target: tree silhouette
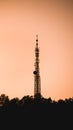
<point>38,112</point>
<point>3,99</point>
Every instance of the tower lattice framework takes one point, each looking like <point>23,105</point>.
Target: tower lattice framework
<point>37,82</point>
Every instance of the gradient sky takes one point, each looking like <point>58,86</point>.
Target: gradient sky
<point>20,21</point>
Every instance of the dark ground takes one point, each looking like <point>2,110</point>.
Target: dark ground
<point>35,113</point>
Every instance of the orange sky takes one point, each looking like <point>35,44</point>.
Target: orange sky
<point>20,21</point>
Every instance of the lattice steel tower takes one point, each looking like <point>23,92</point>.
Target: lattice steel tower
<point>36,72</point>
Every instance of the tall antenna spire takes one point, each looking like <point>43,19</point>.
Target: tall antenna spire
<point>36,40</point>
<point>37,83</point>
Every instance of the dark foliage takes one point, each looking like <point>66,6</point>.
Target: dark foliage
<point>35,113</point>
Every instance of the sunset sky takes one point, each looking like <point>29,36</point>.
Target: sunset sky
<point>20,21</point>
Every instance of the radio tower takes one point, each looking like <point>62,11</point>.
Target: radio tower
<point>37,83</point>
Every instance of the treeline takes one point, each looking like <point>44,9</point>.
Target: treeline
<point>35,113</point>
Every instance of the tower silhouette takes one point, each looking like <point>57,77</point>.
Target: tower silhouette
<point>36,72</point>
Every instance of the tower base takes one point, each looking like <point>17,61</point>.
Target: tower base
<point>38,96</point>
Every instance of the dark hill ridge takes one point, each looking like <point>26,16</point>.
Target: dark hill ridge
<point>36,113</point>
